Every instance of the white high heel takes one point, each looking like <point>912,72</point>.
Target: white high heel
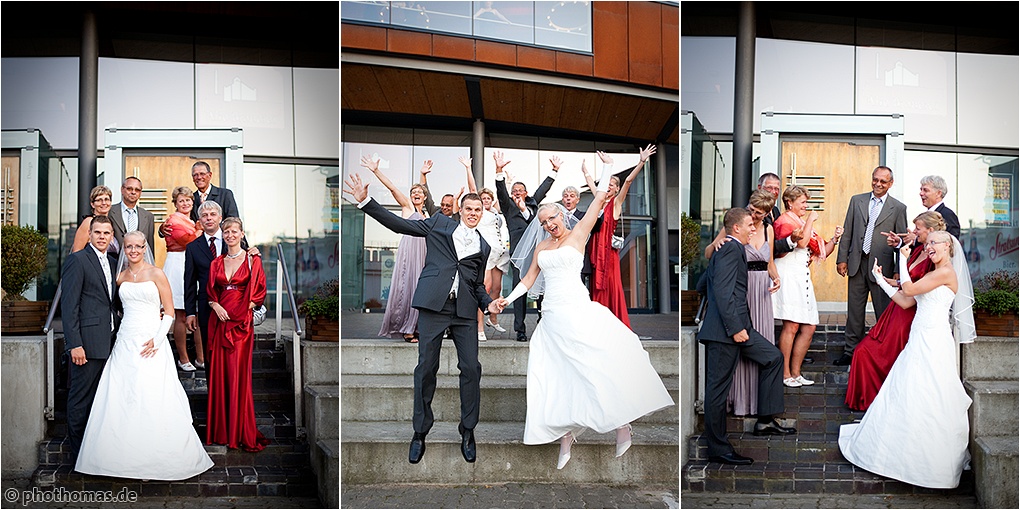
<point>564,457</point>
<point>621,448</point>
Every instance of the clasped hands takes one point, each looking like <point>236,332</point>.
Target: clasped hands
<point>497,305</point>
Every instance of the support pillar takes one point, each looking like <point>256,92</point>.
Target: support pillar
<point>88,94</point>
<point>478,151</point>
<point>743,106</point>
<point>663,267</point>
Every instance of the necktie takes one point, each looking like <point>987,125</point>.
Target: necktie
<point>212,246</point>
<point>132,221</point>
<point>204,195</point>
<point>106,273</point>
<point>872,217</point>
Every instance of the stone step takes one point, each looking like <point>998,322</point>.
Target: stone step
<point>282,451</point>
<point>326,464</point>
<point>993,412</point>
<point>991,358</point>
<point>266,401</point>
<point>498,357</point>
<point>269,379</point>
<point>790,477</point>
<point>995,461</point>
<point>503,398</point>
<point>376,452</point>
<point>320,361</point>
<point>322,407</point>
<point>272,424</point>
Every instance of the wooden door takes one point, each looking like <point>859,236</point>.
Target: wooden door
<point>833,172</point>
<point>160,175</point>
<point>11,177</point>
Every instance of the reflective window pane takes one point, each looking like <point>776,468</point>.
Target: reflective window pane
<point>563,25</point>
<point>373,12</point>
<point>453,17</point>
<point>988,211</point>
<point>508,21</point>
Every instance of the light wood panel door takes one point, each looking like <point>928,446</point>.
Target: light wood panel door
<point>160,175</point>
<point>10,174</point>
<point>833,172</point>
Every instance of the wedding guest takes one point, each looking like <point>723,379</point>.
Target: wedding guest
<point>201,174</point>
<point>762,281</point>
<point>237,285</point>
<point>182,230</point>
<point>771,183</point>
<point>794,303</point>
<point>878,350</point>
<point>607,282</point>
<point>492,226</point>
<point>933,192</point>
<point>127,215</point>
<point>198,255</point>
<point>101,199</point>
<point>400,317</point>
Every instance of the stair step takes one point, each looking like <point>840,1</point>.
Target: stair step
<point>993,411</point>
<point>991,358</point>
<point>995,462</point>
<point>282,451</point>
<point>376,452</point>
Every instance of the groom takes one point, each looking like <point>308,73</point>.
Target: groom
<point>89,286</point>
<point>726,332</point>
<point>451,290</point>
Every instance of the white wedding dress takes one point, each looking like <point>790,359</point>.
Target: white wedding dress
<point>916,431</point>
<point>586,369</point>
<point>140,425</point>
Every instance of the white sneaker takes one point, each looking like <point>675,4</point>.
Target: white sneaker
<point>803,381</point>
<point>792,382</point>
<point>187,367</point>
<point>495,326</point>
<point>481,336</point>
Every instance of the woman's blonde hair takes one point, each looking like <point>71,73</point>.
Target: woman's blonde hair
<point>763,200</point>
<point>941,236</point>
<point>180,190</point>
<point>793,193</point>
<point>232,221</point>
<point>487,191</point>
<point>100,190</point>
<point>932,220</point>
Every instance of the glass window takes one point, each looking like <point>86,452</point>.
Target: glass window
<point>318,227</point>
<point>316,101</point>
<point>380,251</point>
<point>372,12</point>
<point>395,161</point>
<point>508,21</point>
<point>266,226</point>
<point>453,17</point>
<point>145,94</point>
<point>637,262</point>
<point>257,99</point>
<point>988,212</point>
<point>563,25</point>
<point>44,96</point>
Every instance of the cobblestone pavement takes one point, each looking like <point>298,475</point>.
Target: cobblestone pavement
<point>709,500</point>
<point>509,495</point>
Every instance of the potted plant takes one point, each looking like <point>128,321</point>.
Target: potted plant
<point>322,312</point>
<point>690,238</point>
<point>996,305</point>
<point>23,260</point>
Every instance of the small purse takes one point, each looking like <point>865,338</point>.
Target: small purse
<point>617,242</point>
<point>258,315</point>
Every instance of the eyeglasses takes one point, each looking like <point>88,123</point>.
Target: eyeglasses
<point>549,219</point>
<point>103,199</point>
<point>136,190</point>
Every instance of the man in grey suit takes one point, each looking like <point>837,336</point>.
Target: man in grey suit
<point>128,215</point>
<point>204,190</point>
<point>868,215</point>
<point>726,332</point>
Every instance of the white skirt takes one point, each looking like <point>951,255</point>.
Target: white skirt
<point>173,267</point>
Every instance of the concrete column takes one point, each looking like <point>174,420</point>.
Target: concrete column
<point>88,94</point>
<point>478,151</point>
<point>662,229</point>
<point>743,106</point>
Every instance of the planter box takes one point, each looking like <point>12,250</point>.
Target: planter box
<point>996,325</point>
<point>689,300</point>
<point>24,317</point>
<point>323,329</point>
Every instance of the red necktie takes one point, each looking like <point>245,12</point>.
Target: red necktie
<point>212,246</point>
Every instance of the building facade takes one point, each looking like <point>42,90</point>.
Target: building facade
<point>443,80</point>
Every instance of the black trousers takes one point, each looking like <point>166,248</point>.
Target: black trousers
<point>83,381</point>
<point>721,360</point>
<point>520,305</point>
<point>431,326</point>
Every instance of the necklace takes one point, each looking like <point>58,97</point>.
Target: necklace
<point>234,256</point>
<point>134,275</point>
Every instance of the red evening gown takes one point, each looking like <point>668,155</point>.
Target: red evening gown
<point>231,409</point>
<point>607,285</point>
<point>875,355</point>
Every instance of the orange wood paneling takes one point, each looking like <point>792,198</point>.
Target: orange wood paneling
<point>496,53</point>
<point>572,63</point>
<point>362,37</point>
<point>580,109</point>
<point>536,58</point>
<point>360,88</point>
<point>651,118</point>
<point>403,90</point>
<point>403,41</point>
<point>447,94</point>
<point>502,100</point>
<point>609,40</point>
<point>645,43</point>
<point>670,47</point>
<point>460,48</point>
<point>542,104</point>
<point>617,114</point>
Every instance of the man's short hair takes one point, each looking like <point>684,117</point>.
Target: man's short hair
<point>734,216</point>
<point>99,220</point>
<point>202,163</point>
<point>470,196</point>
<point>887,169</point>
<point>521,183</point>
<point>209,204</point>
<point>572,189</point>
<point>937,183</point>
<point>446,195</point>
<point>132,177</point>
<point>766,176</point>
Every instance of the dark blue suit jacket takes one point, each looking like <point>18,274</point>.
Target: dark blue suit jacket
<point>724,284</point>
<point>197,258</point>
<point>85,303</point>
<point>952,221</point>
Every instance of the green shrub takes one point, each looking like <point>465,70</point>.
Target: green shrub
<point>23,259</point>
<point>690,236</point>
<point>324,303</point>
<point>996,292</point>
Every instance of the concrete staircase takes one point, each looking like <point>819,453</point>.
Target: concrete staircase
<point>321,400</point>
<point>810,461</point>
<point>281,473</point>
<point>377,388</point>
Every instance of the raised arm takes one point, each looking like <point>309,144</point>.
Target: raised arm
<point>357,189</point>
<point>546,185</point>
<point>399,196</point>
<point>472,188</point>
<point>505,203</point>
<point>645,153</point>
<point>588,179</point>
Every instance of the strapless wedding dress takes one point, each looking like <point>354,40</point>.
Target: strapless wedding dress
<point>140,425</point>
<point>586,369</point>
<point>916,431</point>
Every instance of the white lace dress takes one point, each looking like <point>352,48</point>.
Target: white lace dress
<point>916,431</point>
<point>586,369</point>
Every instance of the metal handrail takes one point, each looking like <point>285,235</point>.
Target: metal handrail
<point>282,268</point>
<point>283,279</point>
<point>51,376</point>
<point>53,307</point>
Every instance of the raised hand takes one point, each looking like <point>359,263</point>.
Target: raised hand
<point>520,203</point>
<point>605,157</point>
<point>356,188</point>
<point>647,152</point>
<point>813,216</point>
<point>369,163</point>
<point>556,163</point>
<point>905,250</point>
<point>584,168</point>
<point>892,238</point>
<point>426,167</point>
<point>877,270</point>
<point>500,162</point>
<point>839,233</point>
<point>464,160</point>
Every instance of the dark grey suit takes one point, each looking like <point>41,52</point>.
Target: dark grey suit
<point>437,311</point>
<point>146,224</point>
<point>724,284</point>
<point>516,224</point>
<point>197,258</point>
<point>860,281</point>
<point>87,315</point>
<point>222,196</point>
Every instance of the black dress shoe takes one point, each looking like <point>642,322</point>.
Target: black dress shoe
<point>522,338</point>
<point>417,448</point>
<point>732,458</point>
<point>467,443</point>
<point>772,428</point>
<point>843,360</point>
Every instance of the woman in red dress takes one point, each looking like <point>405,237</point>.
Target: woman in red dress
<point>875,355</point>
<point>237,285</point>
<point>606,281</point>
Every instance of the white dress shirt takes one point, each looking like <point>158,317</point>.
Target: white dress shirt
<point>104,262</point>
<point>466,241</point>
<point>130,215</point>
<point>219,241</point>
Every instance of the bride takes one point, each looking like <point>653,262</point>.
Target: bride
<point>140,425</point>
<point>586,369</point>
<point>916,431</point>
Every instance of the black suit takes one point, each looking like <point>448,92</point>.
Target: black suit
<point>780,246</point>
<point>724,284</point>
<point>437,311</point>
<point>222,196</point>
<point>197,258</point>
<point>87,313</point>
<point>586,268</point>
<point>952,221</point>
<point>516,223</point>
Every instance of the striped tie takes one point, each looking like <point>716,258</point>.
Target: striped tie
<point>872,218</point>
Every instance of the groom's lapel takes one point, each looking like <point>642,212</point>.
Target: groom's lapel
<point>97,269</point>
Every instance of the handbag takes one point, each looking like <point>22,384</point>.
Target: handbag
<point>258,315</point>
<point>617,242</point>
